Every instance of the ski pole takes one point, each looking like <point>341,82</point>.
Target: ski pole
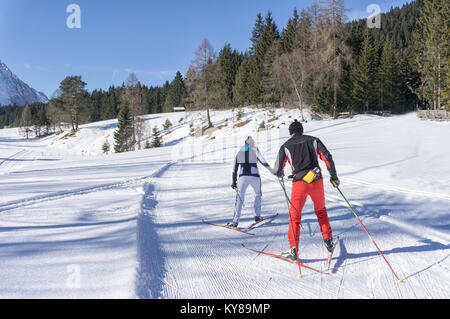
<point>367,232</point>
<point>288,201</point>
<point>239,196</point>
<point>235,206</point>
<point>281,181</point>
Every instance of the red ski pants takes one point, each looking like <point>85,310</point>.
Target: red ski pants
<point>300,192</point>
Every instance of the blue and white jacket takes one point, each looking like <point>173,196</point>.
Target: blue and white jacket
<point>246,162</point>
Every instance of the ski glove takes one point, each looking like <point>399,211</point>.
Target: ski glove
<point>335,181</point>
<point>234,186</point>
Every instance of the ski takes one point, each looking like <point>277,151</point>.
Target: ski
<point>330,254</point>
<point>228,227</point>
<point>256,224</point>
<point>284,258</point>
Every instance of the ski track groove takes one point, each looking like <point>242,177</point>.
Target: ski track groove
<point>341,284</point>
<point>8,164</point>
<point>10,158</point>
<point>395,189</point>
<point>25,202</point>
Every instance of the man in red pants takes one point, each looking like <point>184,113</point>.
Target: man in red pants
<point>302,152</point>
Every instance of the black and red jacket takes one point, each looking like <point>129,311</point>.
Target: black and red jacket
<point>302,152</point>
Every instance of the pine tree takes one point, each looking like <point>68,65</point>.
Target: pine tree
<point>271,86</point>
<point>256,33</point>
<point>106,147</point>
<point>289,34</point>
<point>72,93</point>
<point>123,136</point>
<point>108,105</point>
<point>156,138</point>
<point>431,39</point>
<point>242,83</point>
<point>387,81</point>
<point>167,125</point>
<point>41,123</point>
<point>267,36</point>
<point>229,62</point>
<point>95,102</point>
<point>363,76</point>
<point>176,94</point>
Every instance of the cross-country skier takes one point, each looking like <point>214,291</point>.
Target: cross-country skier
<point>302,152</point>
<point>246,165</point>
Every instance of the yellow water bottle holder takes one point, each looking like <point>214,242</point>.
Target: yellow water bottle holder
<point>311,175</point>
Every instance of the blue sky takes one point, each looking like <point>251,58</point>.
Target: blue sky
<point>154,39</point>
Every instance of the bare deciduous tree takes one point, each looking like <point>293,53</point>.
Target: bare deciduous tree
<point>25,121</point>
<point>139,129</point>
<point>57,115</point>
<point>132,96</point>
<point>332,48</point>
<point>294,70</point>
<point>200,77</point>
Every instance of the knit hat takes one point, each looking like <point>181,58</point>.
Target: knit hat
<point>296,127</point>
<point>250,141</point>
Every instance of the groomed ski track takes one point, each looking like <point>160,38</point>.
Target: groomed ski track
<point>141,218</point>
<point>200,262</point>
<point>204,262</point>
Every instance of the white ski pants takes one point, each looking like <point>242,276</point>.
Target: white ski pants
<point>242,184</point>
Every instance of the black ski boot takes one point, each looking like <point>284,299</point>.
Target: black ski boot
<point>290,254</point>
<point>258,219</point>
<point>329,244</point>
<point>233,224</point>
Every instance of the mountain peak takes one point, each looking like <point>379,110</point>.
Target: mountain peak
<point>15,91</point>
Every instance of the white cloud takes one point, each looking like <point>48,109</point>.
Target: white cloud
<point>39,68</point>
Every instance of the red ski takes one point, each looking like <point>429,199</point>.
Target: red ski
<point>228,227</point>
<point>286,259</point>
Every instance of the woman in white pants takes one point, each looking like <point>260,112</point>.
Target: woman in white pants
<point>246,164</point>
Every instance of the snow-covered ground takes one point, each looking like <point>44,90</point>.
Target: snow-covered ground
<point>77,223</point>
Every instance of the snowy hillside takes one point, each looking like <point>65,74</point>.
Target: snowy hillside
<point>15,91</point>
<point>77,223</point>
